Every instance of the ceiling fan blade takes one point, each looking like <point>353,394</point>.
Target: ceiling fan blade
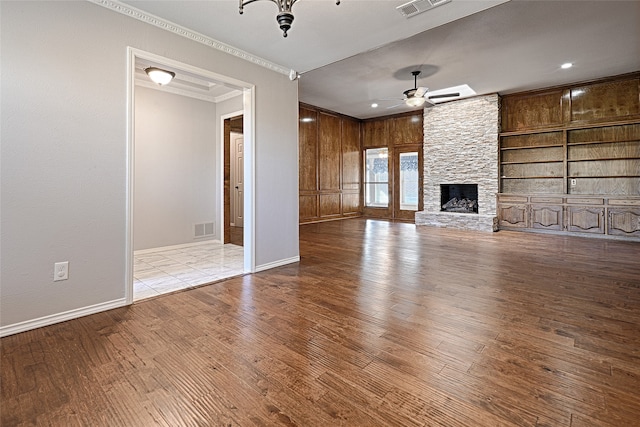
<point>444,95</point>
<point>394,106</point>
<point>420,92</point>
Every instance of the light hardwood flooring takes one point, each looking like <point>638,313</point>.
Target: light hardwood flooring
<point>379,324</point>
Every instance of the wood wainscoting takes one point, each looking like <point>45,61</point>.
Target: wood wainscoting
<point>329,165</point>
<point>379,324</point>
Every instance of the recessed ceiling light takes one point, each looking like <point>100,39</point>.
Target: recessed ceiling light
<point>374,105</point>
<point>566,65</point>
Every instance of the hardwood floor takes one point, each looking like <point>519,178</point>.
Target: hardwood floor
<point>237,236</point>
<point>380,324</point>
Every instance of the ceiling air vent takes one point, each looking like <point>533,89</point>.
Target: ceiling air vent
<point>418,6</point>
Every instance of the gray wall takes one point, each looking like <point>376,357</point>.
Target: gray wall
<point>64,153</point>
<point>175,168</point>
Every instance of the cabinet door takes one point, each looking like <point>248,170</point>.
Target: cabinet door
<point>512,216</point>
<point>546,217</point>
<point>624,222</point>
<point>585,219</point>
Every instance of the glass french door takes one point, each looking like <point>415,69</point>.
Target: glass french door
<point>407,182</point>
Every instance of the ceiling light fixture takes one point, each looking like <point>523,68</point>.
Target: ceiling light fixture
<point>415,101</point>
<point>566,65</point>
<point>159,76</point>
<point>284,17</point>
<point>374,105</point>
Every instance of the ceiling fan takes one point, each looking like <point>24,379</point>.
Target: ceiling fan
<point>417,96</point>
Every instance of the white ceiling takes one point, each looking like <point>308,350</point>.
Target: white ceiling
<point>364,51</point>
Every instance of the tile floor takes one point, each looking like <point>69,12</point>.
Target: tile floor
<point>162,270</point>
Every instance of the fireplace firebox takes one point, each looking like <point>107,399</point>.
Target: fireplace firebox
<point>461,198</point>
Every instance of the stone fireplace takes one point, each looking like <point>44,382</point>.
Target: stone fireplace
<point>461,157</point>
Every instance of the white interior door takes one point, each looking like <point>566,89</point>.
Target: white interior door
<point>237,183</point>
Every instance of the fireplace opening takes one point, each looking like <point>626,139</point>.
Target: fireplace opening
<point>461,198</point>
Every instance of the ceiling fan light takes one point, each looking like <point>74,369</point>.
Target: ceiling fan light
<point>415,101</point>
<point>159,76</point>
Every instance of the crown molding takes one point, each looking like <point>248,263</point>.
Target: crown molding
<point>156,21</point>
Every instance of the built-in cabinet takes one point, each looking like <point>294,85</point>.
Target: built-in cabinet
<point>570,159</point>
<point>329,165</point>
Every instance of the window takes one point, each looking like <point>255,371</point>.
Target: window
<point>376,179</point>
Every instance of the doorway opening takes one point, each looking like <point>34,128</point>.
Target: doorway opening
<point>234,178</point>
<point>175,172</point>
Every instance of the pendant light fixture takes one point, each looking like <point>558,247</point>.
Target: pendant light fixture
<point>159,76</point>
<point>284,17</point>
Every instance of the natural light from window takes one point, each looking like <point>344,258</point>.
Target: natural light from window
<point>376,180</point>
<point>409,186</point>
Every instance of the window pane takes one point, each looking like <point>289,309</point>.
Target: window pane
<point>376,179</point>
<point>376,195</point>
<point>409,185</point>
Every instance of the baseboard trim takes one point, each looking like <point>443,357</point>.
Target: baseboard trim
<point>28,325</point>
<point>179,246</point>
<point>279,263</point>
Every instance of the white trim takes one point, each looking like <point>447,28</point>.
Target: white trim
<point>227,96</point>
<point>180,246</point>
<point>188,93</point>
<point>28,325</point>
<point>249,133</point>
<point>279,263</point>
<point>156,21</point>
<point>224,117</point>
<point>130,175</point>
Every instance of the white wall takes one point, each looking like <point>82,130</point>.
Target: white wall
<point>64,154</point>
<point>175,168</point>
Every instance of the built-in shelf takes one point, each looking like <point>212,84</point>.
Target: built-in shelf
<point>524,162</point>
<point>597,159</point>
<point>531,146</point>
<point>532,177</point>
<point>602,176</point>
<point>610,141</point>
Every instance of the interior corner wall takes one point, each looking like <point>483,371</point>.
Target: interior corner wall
<point>175,168</point>
<point>64,154</point>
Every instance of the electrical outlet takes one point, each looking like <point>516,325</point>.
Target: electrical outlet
<point>60,271</point>
<point>574,182</point>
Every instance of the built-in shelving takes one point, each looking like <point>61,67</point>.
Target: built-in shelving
<point>570,159</point>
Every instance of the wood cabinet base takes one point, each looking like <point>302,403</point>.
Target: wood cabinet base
<point>599,216</point>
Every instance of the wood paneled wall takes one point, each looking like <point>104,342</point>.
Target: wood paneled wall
<point>329,165</point>
<point>570,158</point>
<point>404,130</point>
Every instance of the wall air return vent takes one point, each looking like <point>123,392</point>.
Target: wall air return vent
<point>415,7</point>
<point>203,230</point>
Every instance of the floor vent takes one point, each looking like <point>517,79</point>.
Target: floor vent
<point>203,230</point>
<point>418,6</point>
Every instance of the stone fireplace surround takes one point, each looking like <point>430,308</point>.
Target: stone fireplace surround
<point>461,146</point>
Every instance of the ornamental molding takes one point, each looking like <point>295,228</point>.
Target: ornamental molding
<point>156,21</point>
